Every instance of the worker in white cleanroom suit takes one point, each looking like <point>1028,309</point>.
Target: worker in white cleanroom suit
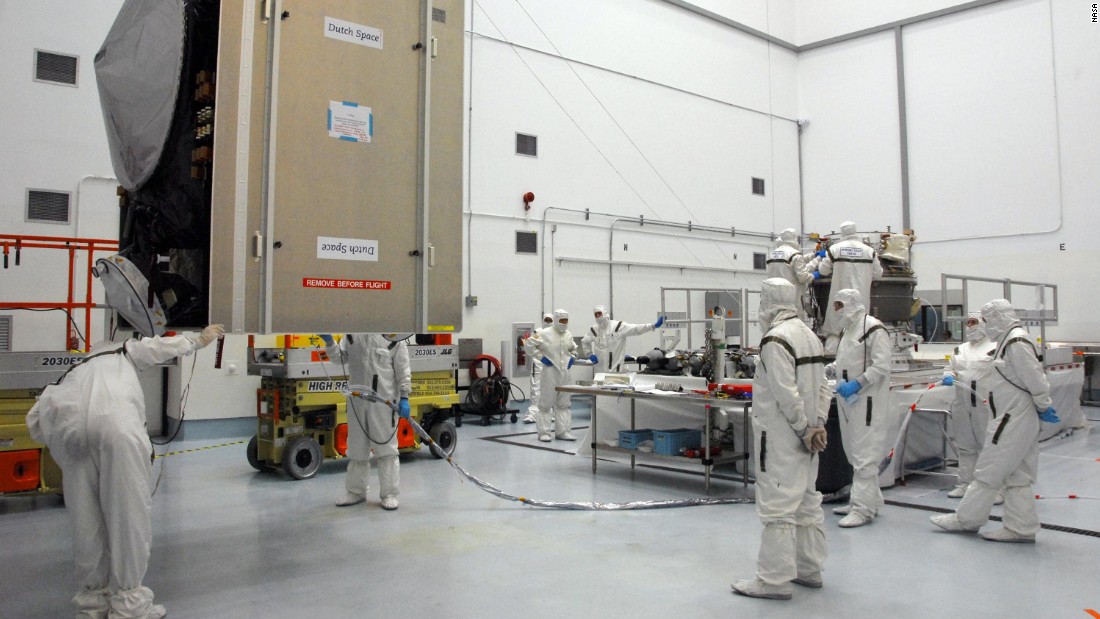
<point>968,370</point>
<point>852,264</point>
<point>790,407</point>
<point>605,341</point>
<point>1019,398</point>
<point>788,261</point>
<point>380,363</point>
<point>555,349</point>
<point>862,370</point>
<point>93,421</point>
<point>536,368</point>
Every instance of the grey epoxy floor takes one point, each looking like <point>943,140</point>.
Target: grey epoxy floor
<point>229,542</point>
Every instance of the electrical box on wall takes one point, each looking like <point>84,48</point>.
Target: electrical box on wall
<point>320,147</point>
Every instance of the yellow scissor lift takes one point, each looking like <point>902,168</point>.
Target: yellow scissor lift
<point>301,412</point>
<point>26,466</point>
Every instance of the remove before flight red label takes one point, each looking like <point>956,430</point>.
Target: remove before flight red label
<point>346,284</point>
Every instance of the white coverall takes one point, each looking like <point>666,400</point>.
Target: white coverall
<point>863,355</point>
<point>375,362</point>
<point>788,262</point>
<point>93,421</point>
<point>1010,456</point>
<point>970,366</point>
<point>789,394</point>
<point>556,344</point>
<point>851,264</point>
<point>536,369</point>
<point>607,340</point>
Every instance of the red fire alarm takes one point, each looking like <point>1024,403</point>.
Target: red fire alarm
<point>528,198</point>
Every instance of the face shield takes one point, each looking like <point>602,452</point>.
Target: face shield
<point>128,294</point>
<point>396,337</point>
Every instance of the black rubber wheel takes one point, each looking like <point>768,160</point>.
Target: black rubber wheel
<point>302,457</point>
<point>445,437</point>
<point>253,454</point>
<point>515,418</point>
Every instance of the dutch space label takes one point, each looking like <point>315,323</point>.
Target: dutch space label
<point>353,33</point>
<point>350,121</point>
<point>331,248</point>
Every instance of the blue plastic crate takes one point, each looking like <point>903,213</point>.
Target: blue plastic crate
<point>629,439</point>
<point>670,442</point>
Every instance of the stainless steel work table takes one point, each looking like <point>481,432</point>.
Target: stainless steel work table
<point>686,399</point>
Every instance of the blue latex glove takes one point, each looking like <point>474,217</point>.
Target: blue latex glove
<point>1049,416</point>
<point>403,408</point>
<point>820,253</point>
<point>817,275</point>
<point>848,389</point>
<point>594,359</point>
<point>546,362</point>
<point>660,321</point>
<point>948,381</point>
<point>570,364</point>
<point>327,339</point>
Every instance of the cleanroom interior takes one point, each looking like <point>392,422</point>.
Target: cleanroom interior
<point>634,155</point>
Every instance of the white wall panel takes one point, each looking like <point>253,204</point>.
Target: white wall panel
<point>983,134</point>
<point>819,20</point>
<point>851,148</point>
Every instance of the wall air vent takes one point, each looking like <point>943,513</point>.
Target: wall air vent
<point>527,242</point>
<point>55,68</point>
<point>759,262</point>
<point>5,333</point>
<point>757,186</point>
<point>48,206</point>
<point>527,145</point>
<point>439,15</point>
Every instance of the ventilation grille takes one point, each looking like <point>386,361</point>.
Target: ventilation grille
<point>48,206</point>
<point>439,15</point>
<point>57,68</point>
<point>527,242</point>
<point>5,333</point>
<point>759,261</point>
<point>527,145</point>
<point>757,186</point>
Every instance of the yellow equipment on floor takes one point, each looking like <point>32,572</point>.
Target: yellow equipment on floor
<point>301,412</point>
<point>26,466</point>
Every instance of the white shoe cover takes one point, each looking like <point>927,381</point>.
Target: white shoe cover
<point>350,499</point>
<point>544,438</point>
<point>807,580</point>
<point>999,500</point>
<point>91,603</point>
<point>567,436</point>
<point>756,588</point>
<point>957,492</point>
<point>389,502</point>
<point>950,522</point>
<point>136,603</point>
<point>842,510</point>
<point>1004,535</point>
<point>852,520</point>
